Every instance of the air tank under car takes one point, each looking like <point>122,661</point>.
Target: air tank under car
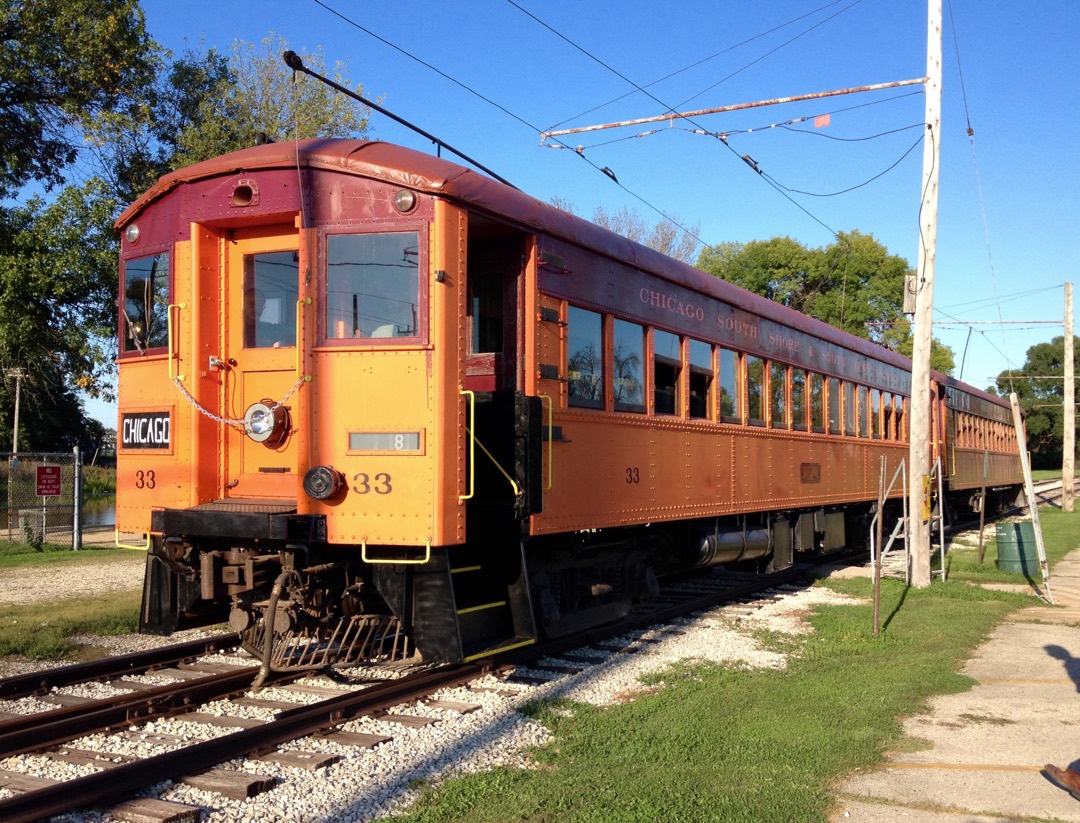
<point>726,545</point>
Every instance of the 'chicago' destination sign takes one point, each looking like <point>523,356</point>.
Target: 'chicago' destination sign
<point>146,430</point>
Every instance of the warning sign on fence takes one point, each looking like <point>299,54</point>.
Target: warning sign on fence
<point>48,481</point>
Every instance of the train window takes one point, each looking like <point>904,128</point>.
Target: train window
<point>667,368</point>
<point>834,405</point>
<point>372,285</point>
<point>798,399</point>
<point>864,412</point>
<point>849,409</point>
<point>701,378</point>
<point>270,291</point>
<point>145,308</point>
<point>875,414</point>
<point>817,402</point>
<point>887,416</point>
<point>901,418</point>
<point>730,405</point>
<point>628,350</point>
<point>585,348</point>
<point>755,390</point>
<point>778,405</point>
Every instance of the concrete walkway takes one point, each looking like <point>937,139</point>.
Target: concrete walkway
<point>986,747</point>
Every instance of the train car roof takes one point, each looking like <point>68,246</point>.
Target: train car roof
<point>433,175</point>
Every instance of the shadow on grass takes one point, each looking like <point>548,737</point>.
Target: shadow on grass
<point>896,609</point>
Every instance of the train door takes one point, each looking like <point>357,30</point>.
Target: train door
<point>261,355</point>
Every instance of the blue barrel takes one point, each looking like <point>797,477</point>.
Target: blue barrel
<point>1016,549</point>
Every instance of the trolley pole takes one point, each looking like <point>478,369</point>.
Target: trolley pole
<point>1068,454</point>
<point>919,427</point>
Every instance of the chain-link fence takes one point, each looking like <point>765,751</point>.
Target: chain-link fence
<point>42,498</point>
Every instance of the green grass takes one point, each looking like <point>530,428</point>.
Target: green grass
<point>43,631</point>
<point>718,744</point>
<point>99,481</point>
<point>727,745</point>
<point>27,554</point>
<point>1060,534</point>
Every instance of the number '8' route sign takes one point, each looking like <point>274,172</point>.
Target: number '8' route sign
<point>48,481</point>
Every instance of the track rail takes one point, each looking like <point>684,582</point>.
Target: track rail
<point>35,732</point>
<point>113,667</point>
<point>684,596</point>
<point>122,781</point>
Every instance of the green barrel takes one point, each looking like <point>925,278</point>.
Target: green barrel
<point>1016,549</point>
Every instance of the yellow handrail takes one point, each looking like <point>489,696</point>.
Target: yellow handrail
<point>169,328</point>
<point>119,545</point>
<point>517,489</point>
<point>470,428</point>
<point>390,560</point>
<point>551,438</point>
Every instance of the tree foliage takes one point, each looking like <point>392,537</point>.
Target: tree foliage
<point>1040,388</point>
<point>65,62</point>
<point>261,97</point>
<point>90,102</point>
<point>854,284</point>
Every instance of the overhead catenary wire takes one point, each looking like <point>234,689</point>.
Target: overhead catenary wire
<point>702,61</point>
<point>606,172</point>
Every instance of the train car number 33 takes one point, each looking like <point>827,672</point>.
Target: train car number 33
<point>380,483</point>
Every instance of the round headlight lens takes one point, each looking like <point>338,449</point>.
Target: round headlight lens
<point>266,422</point>
<point>132,233</point>
<point>323,482</point>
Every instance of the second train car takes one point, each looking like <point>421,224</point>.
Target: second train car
<point>375,405</point>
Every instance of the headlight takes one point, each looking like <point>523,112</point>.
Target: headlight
<point>323,482</point>
<point>266,422</point>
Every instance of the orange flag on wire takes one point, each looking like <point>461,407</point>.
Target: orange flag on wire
<point>821,121</point>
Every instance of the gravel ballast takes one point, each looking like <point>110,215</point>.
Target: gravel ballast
<point>368,783</point>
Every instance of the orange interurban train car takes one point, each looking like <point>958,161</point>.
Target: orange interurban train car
<point>375,405</point>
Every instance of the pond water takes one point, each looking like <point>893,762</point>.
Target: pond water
<point>99,511</point>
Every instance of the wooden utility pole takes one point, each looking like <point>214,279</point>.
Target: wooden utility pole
<point>1068,453</point>
<point>919,427</point>
<point>18,374</point>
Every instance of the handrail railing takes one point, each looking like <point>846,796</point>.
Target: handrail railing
<point>470,429</point>
<point>392,560</point>
<point>550,440</point>
<point>169,328</point>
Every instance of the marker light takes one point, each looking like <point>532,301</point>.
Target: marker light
<point>405,201</point>
<point>323,482</point>
<point>266,422</point>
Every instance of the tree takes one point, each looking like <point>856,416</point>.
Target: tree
<point>262,97</point>
<point>666,236</point>
<point>84,73</point>
<point>65,63</point>
<point>1041,391</point>
<point>854,284</point>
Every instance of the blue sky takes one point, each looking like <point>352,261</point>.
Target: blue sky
<point>1009,205</point>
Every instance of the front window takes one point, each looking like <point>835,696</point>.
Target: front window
<point>146,303</point>
<point>270,293</point>
<point>372,285</point>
